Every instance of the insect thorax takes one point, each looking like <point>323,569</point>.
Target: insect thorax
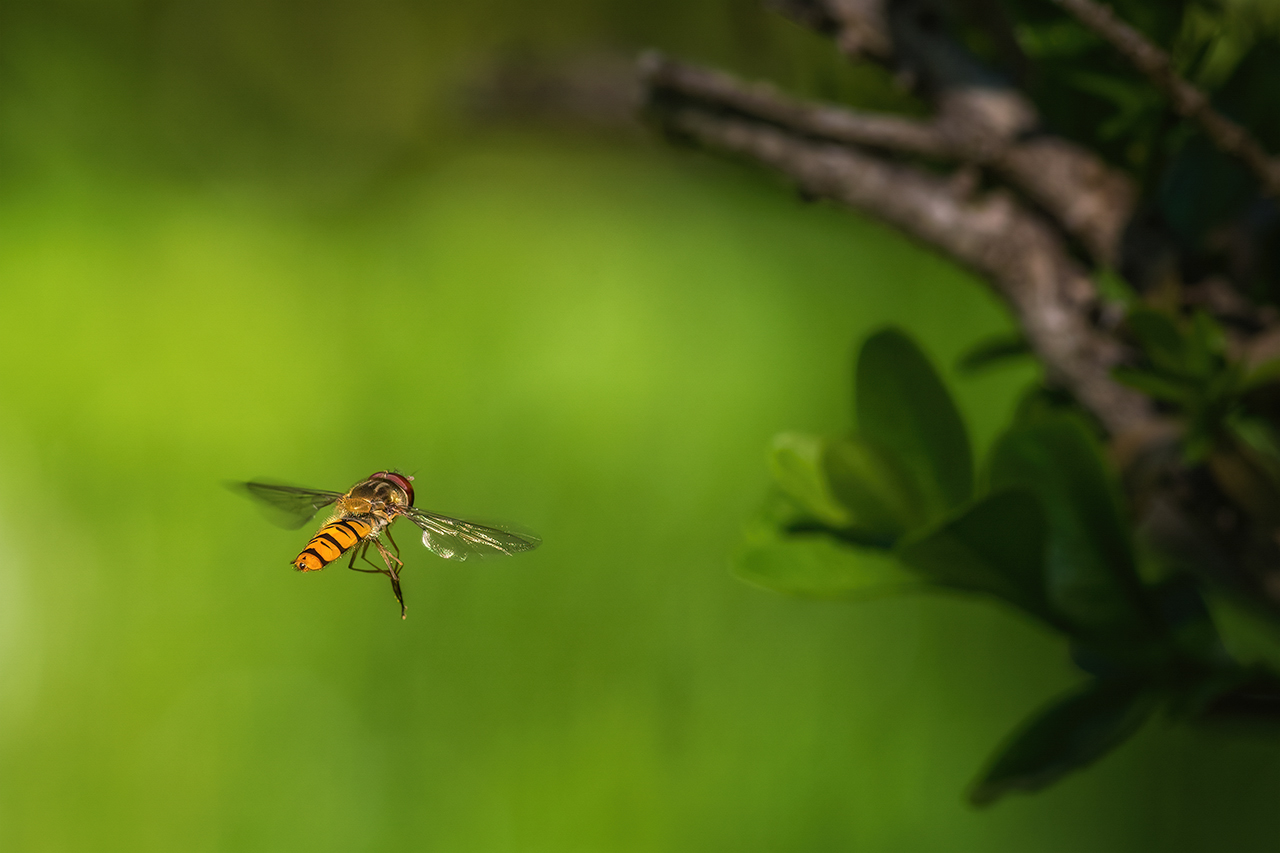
<point>376,501</point>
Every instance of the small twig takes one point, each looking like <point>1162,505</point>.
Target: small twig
<point>1187,100</point>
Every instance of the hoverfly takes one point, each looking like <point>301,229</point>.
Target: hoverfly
<point>364,514</point>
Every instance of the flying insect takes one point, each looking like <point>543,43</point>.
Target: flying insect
<point>362,516</point>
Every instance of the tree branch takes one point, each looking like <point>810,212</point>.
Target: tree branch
<point>718,90</point>
<point>994,235</point>
<point>1187,100</point>
<point>981,119</point>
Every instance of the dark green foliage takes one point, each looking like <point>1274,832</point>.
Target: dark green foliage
<point>1257,440</point>
<point>1084,89</point>
<point>893,508</point>
<point>1090,574</point>
<point>1071,733</point>
<point>995,546</point>
<point>1185,365</point>
<point>1199,206</point>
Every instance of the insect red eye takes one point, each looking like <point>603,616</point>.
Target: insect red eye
<point>401,480</point>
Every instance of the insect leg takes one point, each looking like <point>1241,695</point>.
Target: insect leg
<point>391,573</point>
<point>385,554</point>
<point>395,587</point>
<point>362,551</point>
<point>392,541</point>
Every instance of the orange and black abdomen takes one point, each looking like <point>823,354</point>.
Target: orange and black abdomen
<point>330,542</point>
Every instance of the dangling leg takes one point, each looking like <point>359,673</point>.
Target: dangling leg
<point>395,587</point>
<point>393,573</point>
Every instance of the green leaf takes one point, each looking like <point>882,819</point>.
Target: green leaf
<point>1197,443</point>
<point>1136,103</point>
<point>994,351</point>
<point>1206,345</point>
<point>795,461</point>
<point>996,546</point>
<point>902,405</point>
<point>1091,572</point>
<point>1154,385</point>
<point>1183,610</point>
<point>1260,438</point>
<point>1159,338</point>
<point>1112,287</point>
<point>818,567</point>
<point>1251,474</point>
<point>873,487</point>
<point>1224,384</point>
<point>1070,734</point>
<point>1248,635</point>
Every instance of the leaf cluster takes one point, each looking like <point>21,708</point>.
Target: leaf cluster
<point>1195,199</point>
<point>1185,365</point>
<point>896,505</point>
<point>1226,409</point>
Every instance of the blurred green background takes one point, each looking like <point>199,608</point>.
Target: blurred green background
<point>271,239</point>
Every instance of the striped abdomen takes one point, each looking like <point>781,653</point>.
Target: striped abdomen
<point>330,541</point>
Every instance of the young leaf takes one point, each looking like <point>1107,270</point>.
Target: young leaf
<point>996,546</point>
<point>1091,573</point>
<point>796,464</point>
<point>817,567</point>
<point>1072,733</point>
<point>1206,345</point>
<point>873,487</point>
<point>902,405</point>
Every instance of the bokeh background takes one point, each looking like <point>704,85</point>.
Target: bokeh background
<point>312,240</point>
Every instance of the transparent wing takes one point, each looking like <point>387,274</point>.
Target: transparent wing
<point>455,539</point>
<point>288,506</point>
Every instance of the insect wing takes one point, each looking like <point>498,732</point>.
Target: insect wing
<point>289,506</point>
<point>455,539</point>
